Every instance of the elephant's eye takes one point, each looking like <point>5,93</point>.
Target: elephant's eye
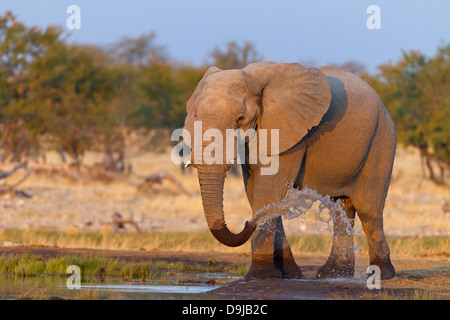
<point>240,119</point>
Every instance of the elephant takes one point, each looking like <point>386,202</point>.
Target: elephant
<point>335,136</point>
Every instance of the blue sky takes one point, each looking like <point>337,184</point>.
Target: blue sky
<point>319,31</point>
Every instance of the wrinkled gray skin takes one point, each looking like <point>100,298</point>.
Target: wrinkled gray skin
<point>336,137</point>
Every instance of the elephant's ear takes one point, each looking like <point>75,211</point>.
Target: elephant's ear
<point>293,99</point>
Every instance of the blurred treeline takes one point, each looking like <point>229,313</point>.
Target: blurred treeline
<point>56,95</point>
<point>73,97</point>
<point>416,91</point>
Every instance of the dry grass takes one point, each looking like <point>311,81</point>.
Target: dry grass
<point>194,241</point>
<point>79,212</point>
<point>204,242</point>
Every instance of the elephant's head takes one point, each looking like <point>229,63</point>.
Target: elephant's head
<point>287,97</point>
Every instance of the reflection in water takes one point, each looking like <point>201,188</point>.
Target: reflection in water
<point>45,287</point>
<point>150,288</point>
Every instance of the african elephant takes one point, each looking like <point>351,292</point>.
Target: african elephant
<point>335,136</point>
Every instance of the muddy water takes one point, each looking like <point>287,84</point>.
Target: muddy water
<point>46,287</point>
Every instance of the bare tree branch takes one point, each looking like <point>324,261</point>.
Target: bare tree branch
<point>9,188</point>
<point>10,172</point>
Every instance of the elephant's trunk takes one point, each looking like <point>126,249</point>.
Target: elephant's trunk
<point>212,179</point>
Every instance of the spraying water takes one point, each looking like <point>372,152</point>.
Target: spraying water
<point>298,202</point>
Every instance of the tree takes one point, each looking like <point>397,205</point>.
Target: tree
<point>354,67</point>
<point>235,56</point>
<point>416,90</point>
<point>73,97</point>
<point>438,91</point>
<point>138,51</point>
<point>73,85</point>
<point>20,122</point>
<point>166,87</point>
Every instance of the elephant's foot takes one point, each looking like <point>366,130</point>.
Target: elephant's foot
<point>291,270</point>
<point>263,270</point>
<point>267,270</point>
<point>386,268</point>
<point>335,268</point>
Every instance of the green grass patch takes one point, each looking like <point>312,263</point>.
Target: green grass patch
<point>95,267</point>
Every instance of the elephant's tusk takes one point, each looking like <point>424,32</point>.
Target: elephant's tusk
<point>188,164</point>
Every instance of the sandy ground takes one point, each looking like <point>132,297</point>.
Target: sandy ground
<point>428,276</point>
<point>414,206</point>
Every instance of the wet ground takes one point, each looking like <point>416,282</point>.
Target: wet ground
<point>55,288</point>
<point>417,278</point>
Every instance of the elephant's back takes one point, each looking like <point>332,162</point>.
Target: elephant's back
<point>362,105</point>
<point>361,98</point>
<point>353,112</point>
<point>338,146</point>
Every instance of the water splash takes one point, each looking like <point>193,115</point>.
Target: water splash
<point>297,203</point>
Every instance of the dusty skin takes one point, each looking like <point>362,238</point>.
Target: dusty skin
<point>417,278</point>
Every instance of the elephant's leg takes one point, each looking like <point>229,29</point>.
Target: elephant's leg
<point>379,254</point>
<point>341,262</point>
<point>271,254</point>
